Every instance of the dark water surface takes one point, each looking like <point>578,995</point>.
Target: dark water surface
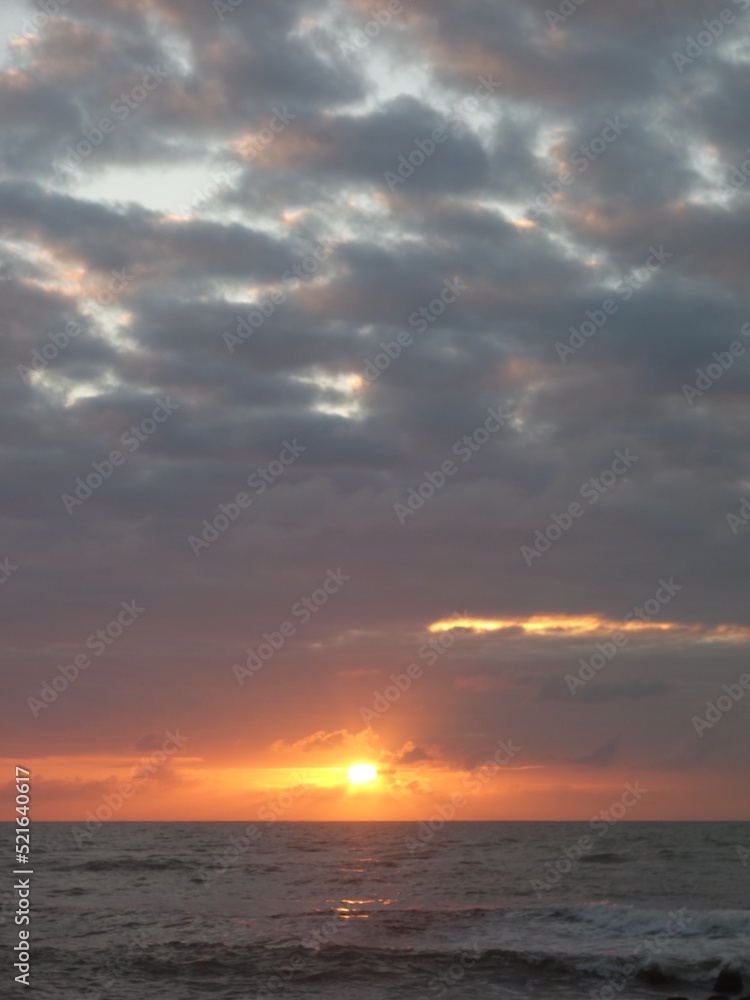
<point>334,910</point>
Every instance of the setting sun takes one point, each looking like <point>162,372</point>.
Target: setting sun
<point>361,773</point>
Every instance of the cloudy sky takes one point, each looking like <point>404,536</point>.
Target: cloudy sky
<point>343,341</point>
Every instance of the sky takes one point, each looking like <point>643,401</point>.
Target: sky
<point>374,392</point>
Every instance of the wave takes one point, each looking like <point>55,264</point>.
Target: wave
<point>600,939</point>
<point>614,918</point>
<point>128,865</point>
<point>583,944</point>
<point>605,858</point>
<point>178,958</point>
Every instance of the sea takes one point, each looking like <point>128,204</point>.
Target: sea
<point>467,911</point>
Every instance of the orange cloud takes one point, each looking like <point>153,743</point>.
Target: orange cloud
<point>593,625</point>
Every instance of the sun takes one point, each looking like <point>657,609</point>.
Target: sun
<point>361,773</point>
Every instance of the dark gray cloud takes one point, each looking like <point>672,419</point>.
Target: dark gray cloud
<point>603,755</point>
<point>558,690</point>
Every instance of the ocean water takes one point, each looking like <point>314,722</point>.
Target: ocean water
<point>188,911</point>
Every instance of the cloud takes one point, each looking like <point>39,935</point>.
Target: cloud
<point>557,689</point>
<point>325,742</point>
<point>603,755</point>
<point>539,256</point>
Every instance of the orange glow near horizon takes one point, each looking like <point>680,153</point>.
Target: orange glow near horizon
<point>196,791</point>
